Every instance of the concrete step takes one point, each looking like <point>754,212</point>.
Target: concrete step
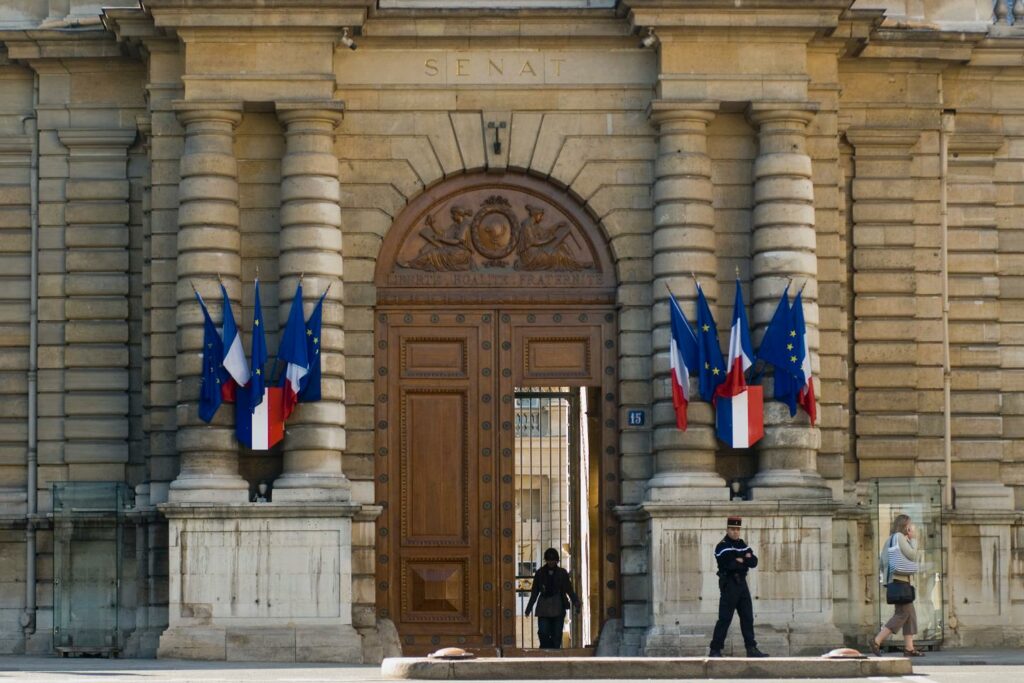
<point>528,668</point>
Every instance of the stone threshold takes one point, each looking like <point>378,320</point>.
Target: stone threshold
<point>582,668</point>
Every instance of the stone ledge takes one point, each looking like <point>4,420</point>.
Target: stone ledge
<point>483,669</point>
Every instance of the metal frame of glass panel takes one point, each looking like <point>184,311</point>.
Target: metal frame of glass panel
<point>89,542</point>
<point>921,498</point>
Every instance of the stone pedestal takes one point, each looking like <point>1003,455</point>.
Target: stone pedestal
<point>791,586</point>
<point>261,582</point>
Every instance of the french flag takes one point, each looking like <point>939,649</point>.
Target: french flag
<point>682,356</point>
<point>739,419</point>
<point>293,352</point>
<point>233,355</point>
<point>741,351</point>
<point>739,409</point>
<point>263,427</point>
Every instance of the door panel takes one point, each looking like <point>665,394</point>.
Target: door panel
<point>436,544</point>
<point>445,415</point>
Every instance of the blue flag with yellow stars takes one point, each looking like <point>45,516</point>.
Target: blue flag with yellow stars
<point>710,362</point>
<point>310,384</point>
<point>779,349</point>
<point>214,373</point>
<point>258,358</point>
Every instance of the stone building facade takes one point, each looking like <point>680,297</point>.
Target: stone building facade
<point>495,196</point>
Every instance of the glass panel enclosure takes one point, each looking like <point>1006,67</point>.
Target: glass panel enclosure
<point>922,500</point>
<point>89,539</point>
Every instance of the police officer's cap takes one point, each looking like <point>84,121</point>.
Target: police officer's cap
<point>735,521</point>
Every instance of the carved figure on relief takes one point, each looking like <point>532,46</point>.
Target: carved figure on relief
<point>543,247</point>
<point>445,249</point>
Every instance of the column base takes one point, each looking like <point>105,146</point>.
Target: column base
<point>687,487</point>
<point>260,582</point>
<point>213,489</point>
<point>320,488</point>
<point>788,485</point>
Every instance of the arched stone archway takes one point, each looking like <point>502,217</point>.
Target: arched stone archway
<point>492,288</point>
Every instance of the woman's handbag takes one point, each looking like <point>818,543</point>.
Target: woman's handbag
<point>898,562</point>
<point>899,593</point>
<point>550,606</point>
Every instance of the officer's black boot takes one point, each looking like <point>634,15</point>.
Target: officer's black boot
<point>754,652</point>
<point>715,653</point>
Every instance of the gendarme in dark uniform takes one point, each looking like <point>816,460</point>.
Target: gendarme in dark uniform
<point>735,558</point>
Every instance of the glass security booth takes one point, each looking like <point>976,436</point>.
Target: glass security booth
<point>921,498</point>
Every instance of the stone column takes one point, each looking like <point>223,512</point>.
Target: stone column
<point>311,245</point>
<point>209,246</point>
<point>783,246</point>
<point>683,243</point>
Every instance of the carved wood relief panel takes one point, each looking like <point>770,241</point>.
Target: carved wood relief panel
<point>477,238</point>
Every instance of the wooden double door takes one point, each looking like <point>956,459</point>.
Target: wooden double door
<point>445,464</point>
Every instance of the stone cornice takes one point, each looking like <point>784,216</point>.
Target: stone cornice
<point>246,14</point>
<point>896,138</point>
<point>33,44</point>
<point>758,15</point>
<point>743,508</point>
<point>263,510</point>
<point>976,144</point>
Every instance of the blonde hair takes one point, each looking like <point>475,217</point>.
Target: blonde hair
<point>900,524</point>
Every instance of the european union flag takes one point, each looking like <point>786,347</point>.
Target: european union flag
<point>310,383</point>
<point>214,373</point>
<point>710,362</point>
<point>258,361</point>
<point>778,349</point>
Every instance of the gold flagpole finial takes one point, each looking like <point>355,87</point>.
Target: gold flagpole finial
<point>737,272</point>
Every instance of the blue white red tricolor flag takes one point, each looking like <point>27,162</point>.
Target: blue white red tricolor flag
<point>292,351</point>
<point>741,351</point>
<point>739,419</point>
<point>233,355</point>
<point>682,358</point>
<point>263,427</point>
<point>739,409</point>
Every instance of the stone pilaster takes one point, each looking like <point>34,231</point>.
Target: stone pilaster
<point>683,243</point>
<point>311,245</point>
<point>783,246</point>
<point>96,302</point>
<point>208,246</point>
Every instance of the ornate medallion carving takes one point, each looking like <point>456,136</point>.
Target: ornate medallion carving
<point>479,237</point>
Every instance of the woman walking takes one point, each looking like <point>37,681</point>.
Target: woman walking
<point>551,592</point>
<point>899,562</point>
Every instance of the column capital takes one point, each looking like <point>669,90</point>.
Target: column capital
<point>791,112</point>
<point>662,111</point>
<point>290,111</point>
<point>192,111</point>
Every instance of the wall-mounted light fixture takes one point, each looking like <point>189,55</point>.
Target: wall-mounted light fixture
<point>346,38</point>
<point>649,39</point>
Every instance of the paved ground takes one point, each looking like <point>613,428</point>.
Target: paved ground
<point>951,666</point>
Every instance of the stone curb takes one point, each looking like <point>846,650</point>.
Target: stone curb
<point>422,668</point>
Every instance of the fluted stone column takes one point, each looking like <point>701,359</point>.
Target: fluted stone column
<point>683,243</point>
<point>209,244</point>
<point>311,245</point>
<point>783,245</point>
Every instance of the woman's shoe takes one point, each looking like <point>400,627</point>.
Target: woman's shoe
<point>913,653</point>
<point>875,649</point>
